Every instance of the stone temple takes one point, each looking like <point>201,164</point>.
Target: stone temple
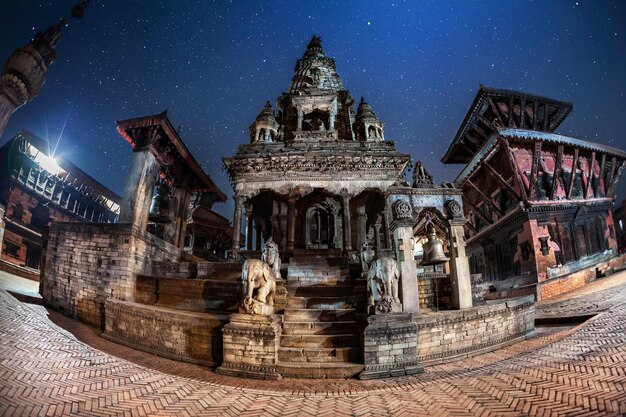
<point>336,266</point>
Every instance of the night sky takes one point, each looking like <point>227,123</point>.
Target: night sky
<point>213,65</point>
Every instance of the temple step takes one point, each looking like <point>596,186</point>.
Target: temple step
<point>312,341</point>
<point>335,370</point>
<point>319,315</point>
<point>316,290</point>
<point>318,271</point>
<point>319,328</point>
<point>307,280</point>
<point>319,355</point>
<point>320,302</point>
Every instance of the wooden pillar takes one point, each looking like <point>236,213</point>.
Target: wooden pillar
<point>590,175</point>
<point>138,190</point>
<point>2,226</point>
<point>347,229</point>
<point>573,174</point>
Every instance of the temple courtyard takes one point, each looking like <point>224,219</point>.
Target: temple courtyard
<point>575,365</point>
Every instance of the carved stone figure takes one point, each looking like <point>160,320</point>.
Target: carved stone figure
<point>259,287</point>
<point>382,281</point>
<point>271,256</point>
<point>368,253</point>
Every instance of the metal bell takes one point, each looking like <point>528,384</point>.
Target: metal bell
<point>433,250</point>
<point>160,206</point>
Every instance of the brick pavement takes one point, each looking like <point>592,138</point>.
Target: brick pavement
<point>51,365</point>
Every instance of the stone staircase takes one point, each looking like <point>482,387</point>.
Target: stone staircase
<point>320,337</point>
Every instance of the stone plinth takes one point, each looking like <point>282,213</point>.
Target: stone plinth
<point>390,346</point>
<point>250,346</point>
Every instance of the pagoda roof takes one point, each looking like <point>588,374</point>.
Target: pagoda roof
<point>493,108</point>
<point>156,133</point>
<point>523,135</point>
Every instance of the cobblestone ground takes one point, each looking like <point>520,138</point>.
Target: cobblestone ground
<point>51,365</point>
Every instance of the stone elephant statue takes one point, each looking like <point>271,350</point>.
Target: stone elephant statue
<point>259,284</point>
<point>382,281</point>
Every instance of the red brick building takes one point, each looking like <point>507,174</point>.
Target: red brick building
<point>36,189</point>
<point>538,204</point>
<point>619,217</point>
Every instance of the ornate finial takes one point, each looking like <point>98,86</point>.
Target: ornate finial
<point>315,43</point>
<point>421,177</point>
<point>79,9</point>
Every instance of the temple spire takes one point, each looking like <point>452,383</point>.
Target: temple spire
<point>24,73</point>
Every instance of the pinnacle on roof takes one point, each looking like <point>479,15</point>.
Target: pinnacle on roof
<point>315,46</point>
<point>365,110</point>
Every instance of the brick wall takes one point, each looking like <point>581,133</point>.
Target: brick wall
<point>86,263</point>
<point>577,279</point>
<point>182,335</point>
<point>466,332</point>
<point>434,294</point>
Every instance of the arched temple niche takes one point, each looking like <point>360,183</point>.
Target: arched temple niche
<point>318,222</point>
<point>266,215</point>
<point>317,120</point>
<point>368,218</point>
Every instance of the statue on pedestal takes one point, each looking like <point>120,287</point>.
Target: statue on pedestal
<point>258,279</point>
<point>383,279</point>
<point>271,256</point>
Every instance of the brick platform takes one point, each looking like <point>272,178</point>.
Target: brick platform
<point>48,370</point>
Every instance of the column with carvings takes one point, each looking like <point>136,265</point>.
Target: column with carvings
<point>291,222</point>
<point>459,264</point>
<point>236,227</point>
<point>347,229</point>
<point>138,189</point>
<point>402,229</point>
<point>361,225</point>
<point>175,231</point>
<point>249,226</point>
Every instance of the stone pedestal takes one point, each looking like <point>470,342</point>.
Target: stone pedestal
<point>390,346</point>
<point>250,346</point>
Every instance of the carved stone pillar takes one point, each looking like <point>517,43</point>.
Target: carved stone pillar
<point>300,119</point>
<point>377,227</point>
<point>361,225</point>
<point>403,235</point>
<point>291,223</point>
<point>402,228</point>
<point>236,227</point>
<point>138,189</point>
<point>347,230</point>
<point>459,265</point>
<point>249,226</point>
<point>174,232</point>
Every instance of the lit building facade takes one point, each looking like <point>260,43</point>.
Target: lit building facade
<point>37,189</point>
